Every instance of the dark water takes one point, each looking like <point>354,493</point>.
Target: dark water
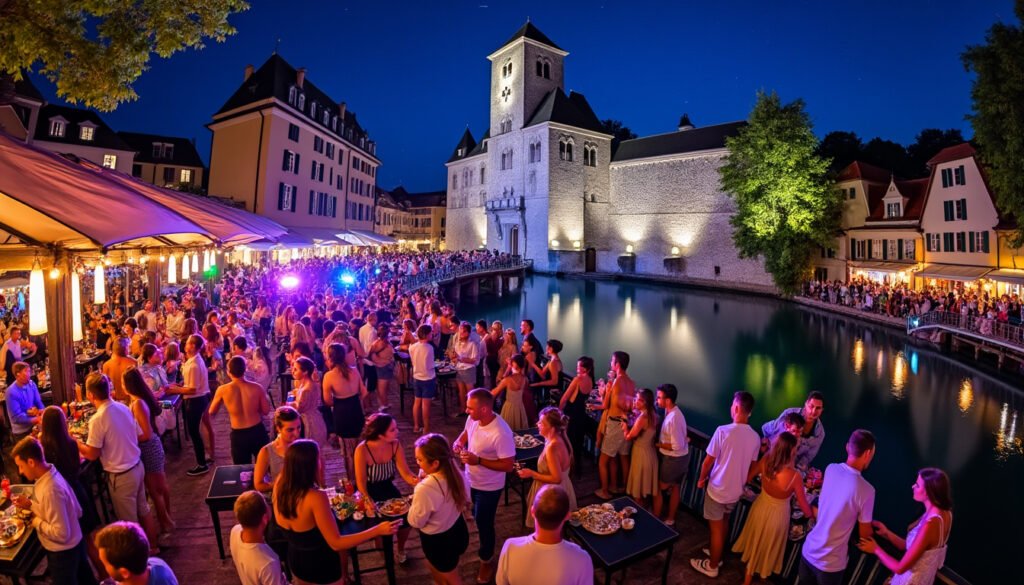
<point>925,408</point>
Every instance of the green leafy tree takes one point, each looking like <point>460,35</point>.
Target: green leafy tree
<point>786,206</point>
<point>842,148</point>
<point>998,117</point>
<point>618,130</point>
<point>928,143</point>
<point>95,51</point>
<point>888,155</point>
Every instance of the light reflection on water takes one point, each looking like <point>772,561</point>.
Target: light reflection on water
<point>925,409</point>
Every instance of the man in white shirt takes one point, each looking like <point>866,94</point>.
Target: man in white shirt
<point>113,439</point>
<point>11,353</point>
<point>543,558</point>
<point>424,381</point>
<point>56,512</point>
<point>195,389</point>
<point>255,561</point>
<point>488,450</point>
<point>847,501</point>
<point>673,445</point>
<point>368,332</point>
<point>150,315</point>
<point>731,452</point>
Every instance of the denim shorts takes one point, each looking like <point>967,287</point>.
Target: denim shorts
<point>424,388</point>
<point>714,510</point>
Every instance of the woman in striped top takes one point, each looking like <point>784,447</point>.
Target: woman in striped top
<point>379,457</point>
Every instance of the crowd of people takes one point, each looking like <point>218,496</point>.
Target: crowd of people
<point>339,334</point>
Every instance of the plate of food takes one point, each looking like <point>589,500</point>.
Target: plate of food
<point>343,506</point>
<point>526,441</point>
<point>11,531</point>
<point>393,507</point>
<point>599,520</point>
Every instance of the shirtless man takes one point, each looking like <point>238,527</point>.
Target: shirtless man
<point>617,403</point>
<point>247,404</point>
<point>117,365</point>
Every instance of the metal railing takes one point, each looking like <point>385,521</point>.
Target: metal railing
<point>453,271</point>
<point>993,330</point>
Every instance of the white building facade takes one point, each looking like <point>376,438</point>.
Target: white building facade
<point>543,183</point>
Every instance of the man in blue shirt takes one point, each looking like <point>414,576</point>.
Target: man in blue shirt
<point>24,406</point>
<point>810,437</point>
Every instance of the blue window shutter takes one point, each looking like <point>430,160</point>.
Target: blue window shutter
<point>296,167</point>
<point>286,160</point>
<point>984,241</point>
<point>970,241</point>
<point>280,196</point>
<point>963,205</point>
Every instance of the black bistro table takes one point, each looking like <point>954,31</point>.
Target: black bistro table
<point>527,459</point>
<point>618,551</point>
<point>21,560</point>
<point>225,487</point>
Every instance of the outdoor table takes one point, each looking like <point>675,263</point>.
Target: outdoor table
<point>387,547</point>
<point>19,561</point>
<point>527,458</point>
<point>176,401</point>
<point>225,487</point>
<point>616,552</point>
<point>445,384</point>
<point>84,363</point>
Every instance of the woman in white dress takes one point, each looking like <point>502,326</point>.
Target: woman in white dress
<point>925,545</point>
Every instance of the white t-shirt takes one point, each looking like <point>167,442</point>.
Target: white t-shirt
<point>195,375</point>
<point>673,432</point>
<point>367,335</point>
<point>491,441</point>
<point>114,431</point>
<point>433,508</point>
<point>734,447</point>
<point>421,354</point>
<point>525,561</point>
<point>256,562</point>
<point>846,499</point>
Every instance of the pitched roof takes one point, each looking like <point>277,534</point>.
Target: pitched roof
<point>425,199</point>
<point>571,110</point>
<point>481,147</point>
<point>678,142</point>
<point>103,135</point>
<point>184,153</point>
<point>913,190</point>
<point>274,79</point>
<point>528,31</point>
<point>864,171</point>
<point>466,145</point>
<point>25,88</point>
<point>951,153</point>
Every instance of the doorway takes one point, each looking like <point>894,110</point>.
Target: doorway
<point>590,260</point>
<point>513,240</point>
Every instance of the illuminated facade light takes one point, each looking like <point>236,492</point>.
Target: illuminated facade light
<point>675,250</point>
<point>577,244</point>
<point>629,248</point>
<point>554,243</point>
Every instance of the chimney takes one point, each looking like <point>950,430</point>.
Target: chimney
<point>248,72</point>
<point>685,123</point>
<point>342,108</point>
<point>300,76</point>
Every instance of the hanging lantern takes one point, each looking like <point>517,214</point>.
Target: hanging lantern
<point>206,260</point>
<point>172,270</point>
<point>195,262</point>
<point>76,308</point>
<point>36,301</point>
<point>184,267</point>
<point>99,295</point>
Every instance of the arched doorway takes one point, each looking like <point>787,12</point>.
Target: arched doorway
<point>513,240</point>
<point>590,260</point>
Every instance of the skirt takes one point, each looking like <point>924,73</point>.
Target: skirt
<point>764,536</point>
<point>152,455</point>
<point>444,548</point>
<point>348,417</point>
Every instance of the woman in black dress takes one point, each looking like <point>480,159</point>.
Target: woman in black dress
<point>574,405</point>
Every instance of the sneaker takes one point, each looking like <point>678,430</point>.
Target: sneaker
<point>704,566</point>
<point>707,551</point>
<point>401,557</point>
<point>198,470</point>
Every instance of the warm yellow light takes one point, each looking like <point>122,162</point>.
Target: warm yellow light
<point>172,270</point>
<point>99,290</point>
<point>675,250</point>
<point>76,308</point>
<point>184,268</point>
<point>36,302</point>
<point>106,261</point>
<point>163,258</point>
<point>195,262</point>
<point>629,248</point>
<point>54,273</point>
<point>554,243</point>
<point>576,244</point>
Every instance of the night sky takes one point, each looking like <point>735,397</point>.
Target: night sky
<point>416,73</point>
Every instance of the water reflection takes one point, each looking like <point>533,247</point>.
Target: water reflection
<point>1007,441</point>
<point>966,397</point>
<point>858,356</point>
<point>899,375</point>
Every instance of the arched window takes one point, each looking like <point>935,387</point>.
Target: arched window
<point>302,101</point>
<point>547,70</point>
<point>540,68</point>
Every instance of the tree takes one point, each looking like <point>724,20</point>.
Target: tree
<point>94,51</point>
<point>927,144</point>
<point>786,206</point>
<point>842,148</point>
<point>888,155</point>
<point>618,130</point>
<point>998,113</point>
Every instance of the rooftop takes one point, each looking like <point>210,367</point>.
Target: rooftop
<point>678,142</point>
<point>183,154</point>
<point>103,136</point>
<point>529,31</point>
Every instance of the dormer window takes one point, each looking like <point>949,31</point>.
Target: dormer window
<point>461,152</point>
<point>301,101</point>
<point>57,126</point>
<point>163,150</point>
<point>293,94</point>
<point>893,210</point>
<point>86,132</point>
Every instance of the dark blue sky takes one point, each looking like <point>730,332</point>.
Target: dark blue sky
<point>416,72</point>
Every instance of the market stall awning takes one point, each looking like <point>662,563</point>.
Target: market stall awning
<point>881,266</point>
<point>230,225</point>
<point>319,235</point>
<point>46,199</point>
<point>1007,275</point>
<point>376,239</point>
<point>352,239</point>
<point>953,272</point>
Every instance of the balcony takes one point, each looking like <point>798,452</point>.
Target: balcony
<point>507,203</point>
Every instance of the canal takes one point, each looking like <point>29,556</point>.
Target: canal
<point>925,408</point>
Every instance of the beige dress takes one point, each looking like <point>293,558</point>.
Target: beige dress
<point>643,465</point>
<point>566,483</point>
<point>763,540</point>
<point>307,402</point>
<point>514,410</point>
